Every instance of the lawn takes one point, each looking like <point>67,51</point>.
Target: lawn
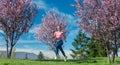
<point>93,61</point>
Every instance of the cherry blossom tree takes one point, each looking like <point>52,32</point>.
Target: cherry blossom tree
<point>49,23</point>
<point>101,18</point>
<point>16,18</point>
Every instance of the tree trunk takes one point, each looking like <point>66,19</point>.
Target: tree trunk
<point>115,49</point>
<point>113,56</point>
<point>7,50</point>
<point>109,60</point>
<point>114,53</point>
<point>10,52</point>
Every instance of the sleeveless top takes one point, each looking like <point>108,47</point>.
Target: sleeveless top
<point>58,35</point>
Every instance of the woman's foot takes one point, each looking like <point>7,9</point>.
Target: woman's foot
<point>57,57</point>
<point>65,58</point>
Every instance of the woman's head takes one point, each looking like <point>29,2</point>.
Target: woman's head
<point>53,31</point>
<point>58,28</point>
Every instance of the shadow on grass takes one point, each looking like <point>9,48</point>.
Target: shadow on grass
<point>49,60</point>
<point>71,60</point>
<point>93,61</point>
<point>6,63</point>
<point>87,61</point>
<point>118,62</point>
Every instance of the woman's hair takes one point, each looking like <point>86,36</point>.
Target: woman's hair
<point>53,31</point>
<point>59,26</point>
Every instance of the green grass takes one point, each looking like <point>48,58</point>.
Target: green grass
<point>93,61</point>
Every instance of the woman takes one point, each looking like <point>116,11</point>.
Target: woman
<point>59,35</point>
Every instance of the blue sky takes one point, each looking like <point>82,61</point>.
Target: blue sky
<point>27,41</point>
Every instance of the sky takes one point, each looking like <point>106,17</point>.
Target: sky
<point>28,43</point>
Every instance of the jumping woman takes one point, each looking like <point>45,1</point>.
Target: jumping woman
<point>59,35</point>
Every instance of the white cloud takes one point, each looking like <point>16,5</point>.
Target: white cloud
<point>28,41</point>
<point>31,31</point>
<point>41,4</point>
<point>22,50</point>
<point>21,41</point>
<point>70,19</point>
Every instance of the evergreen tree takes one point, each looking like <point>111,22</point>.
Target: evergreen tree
<point>81,50</point>
<point>40,56</point>
<point>26,56</point>
<point>85,47</point>
<point>96,49</point>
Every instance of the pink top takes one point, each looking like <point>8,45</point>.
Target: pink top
<point>58,35</point>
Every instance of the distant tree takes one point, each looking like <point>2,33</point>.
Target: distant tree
<point>26,55</point>
<point>80,43</point>
<point>41,56</point>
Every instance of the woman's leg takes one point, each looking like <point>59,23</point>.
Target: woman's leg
<point>58,44</point>
<point>57,50</point>
<point>61,49</point>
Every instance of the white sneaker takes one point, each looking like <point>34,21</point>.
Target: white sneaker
<point>65,58</point>
<point>55,58</point>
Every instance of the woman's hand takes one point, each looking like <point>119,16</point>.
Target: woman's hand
<point>53,32</point>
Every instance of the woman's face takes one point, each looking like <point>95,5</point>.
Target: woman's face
<point>58,28</point>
